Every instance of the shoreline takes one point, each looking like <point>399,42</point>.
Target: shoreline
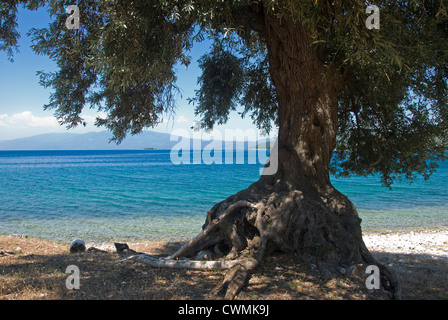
<point>426,242</point>
<point>35,269</point>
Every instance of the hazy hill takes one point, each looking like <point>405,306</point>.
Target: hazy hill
<point>95,141</point>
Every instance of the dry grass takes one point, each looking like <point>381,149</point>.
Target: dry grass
<point>38,272</point>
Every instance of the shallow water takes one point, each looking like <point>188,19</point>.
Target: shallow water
<point>129,195</point>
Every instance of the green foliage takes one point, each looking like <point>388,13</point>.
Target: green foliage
<point>221,83</point>
<point>235,75</point>
<point>393,110</point>
<point>8,23</point>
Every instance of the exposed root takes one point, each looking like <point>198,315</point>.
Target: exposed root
<point>212,224</point>
<point>240,268</point>
<point>237,277</point>
<point>181,264</point>
<point>388,279</point>
<point>322,230</point>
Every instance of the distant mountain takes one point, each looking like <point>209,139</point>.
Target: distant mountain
<point>98,141</point>
<point>89,141</point>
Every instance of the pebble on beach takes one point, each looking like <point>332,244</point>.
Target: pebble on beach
<point>78,246</point>
<point>425,242</point>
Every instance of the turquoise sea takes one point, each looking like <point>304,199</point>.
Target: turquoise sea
<point>142,195</point>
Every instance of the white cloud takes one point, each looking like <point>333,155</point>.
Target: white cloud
<point>26,124</point>
<point>91,119</point>
<point>182,119</point>
<point>27,119</point>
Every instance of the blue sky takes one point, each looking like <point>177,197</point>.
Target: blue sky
<point>22,98</point>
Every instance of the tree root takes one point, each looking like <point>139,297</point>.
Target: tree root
<point>291,221</point>
<point>237,277</point>
<point>212,224</point>
<point>388,279</point>
<point>238,269</point>
<point>181,264</point>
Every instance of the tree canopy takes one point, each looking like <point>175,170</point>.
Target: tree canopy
<point>393,110</point>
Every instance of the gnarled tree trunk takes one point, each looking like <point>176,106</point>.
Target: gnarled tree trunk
<point>297,209</point>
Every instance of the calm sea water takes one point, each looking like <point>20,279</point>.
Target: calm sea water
<point>129,195</point>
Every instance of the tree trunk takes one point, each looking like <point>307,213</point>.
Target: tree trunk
<point>312,219</point>
<point>297,209</point>
<point>303,212</point>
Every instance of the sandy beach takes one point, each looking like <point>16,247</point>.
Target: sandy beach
<point>429,243</point>
<point>34,268</point>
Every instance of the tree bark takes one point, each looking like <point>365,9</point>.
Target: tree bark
<point>303,212</point>
<point>315,219</point>
<point>297,209</point>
